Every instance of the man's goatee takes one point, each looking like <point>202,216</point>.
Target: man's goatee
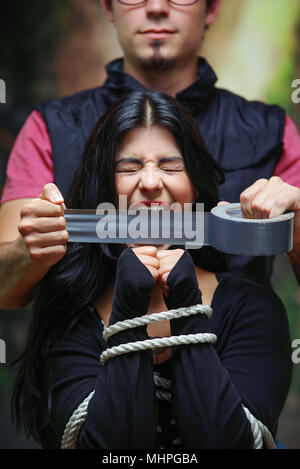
<point>157,62</point>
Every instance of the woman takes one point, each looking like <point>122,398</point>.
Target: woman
<point>148,148</point>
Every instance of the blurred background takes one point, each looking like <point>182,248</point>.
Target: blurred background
<point>54,48</point>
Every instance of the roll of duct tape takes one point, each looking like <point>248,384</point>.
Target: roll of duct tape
<point>231,232</point>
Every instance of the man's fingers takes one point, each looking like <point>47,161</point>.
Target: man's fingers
<point>43,225</point>
<point>41,240</point>
<point>249,194</point>
<point>289,200</point>
<point>41,208</point>
<point>269,198</point>
<point>49,255</point>
<point>219,204</point>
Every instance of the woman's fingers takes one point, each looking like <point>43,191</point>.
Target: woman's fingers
<point>168,259</point>
<point>148,250</point>
<point>159,263</point>
<point>147,255</point>
<point>148,260</point>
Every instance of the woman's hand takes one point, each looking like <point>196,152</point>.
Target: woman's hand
<point>167,259</point>
<point>43,227</point>
<point>137,272</point>
<point>148,256</point>
<point>178,279</point>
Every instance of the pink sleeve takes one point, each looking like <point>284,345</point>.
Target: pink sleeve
<point>288,167</point>
<point>30,164</point>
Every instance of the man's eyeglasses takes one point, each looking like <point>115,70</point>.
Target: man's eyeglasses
<point>141,2</point>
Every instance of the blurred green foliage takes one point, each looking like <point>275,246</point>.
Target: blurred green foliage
<point>284,28</point>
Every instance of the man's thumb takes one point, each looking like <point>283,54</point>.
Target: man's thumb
<point>51,193</point>
<point>222,203</point>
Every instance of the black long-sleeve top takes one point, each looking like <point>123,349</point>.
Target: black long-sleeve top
<point>250,365</point>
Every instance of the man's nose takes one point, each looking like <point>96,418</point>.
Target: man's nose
<point>157,7</point>
<point>150,180</point>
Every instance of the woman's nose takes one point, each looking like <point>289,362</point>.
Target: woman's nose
<point>150,180</point>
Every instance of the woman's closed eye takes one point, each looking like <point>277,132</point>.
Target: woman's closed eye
<point>127,167</point>
<point>172,169</point>
<point>167,164</point>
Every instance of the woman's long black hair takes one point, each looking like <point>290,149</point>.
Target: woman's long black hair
<point>82,275</point>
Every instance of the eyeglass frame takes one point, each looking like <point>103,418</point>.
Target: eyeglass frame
<point>145,1</point>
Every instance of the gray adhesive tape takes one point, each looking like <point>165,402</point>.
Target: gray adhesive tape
<point>224,228</point>
<point>232,233</point>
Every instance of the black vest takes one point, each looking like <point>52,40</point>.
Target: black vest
<point>244,137</point>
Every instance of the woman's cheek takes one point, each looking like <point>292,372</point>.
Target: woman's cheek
<point>180,189</point>
<point>122,185</point>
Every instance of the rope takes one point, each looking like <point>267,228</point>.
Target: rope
<point>156,317</point>
<point>156,343</point>
<point>75,423</point>
<point>260,431</point>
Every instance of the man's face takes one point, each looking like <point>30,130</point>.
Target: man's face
<point>159,34</point>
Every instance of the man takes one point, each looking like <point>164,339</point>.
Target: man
<point>160,40</point>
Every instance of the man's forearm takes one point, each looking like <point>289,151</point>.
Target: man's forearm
<point>19,275</point>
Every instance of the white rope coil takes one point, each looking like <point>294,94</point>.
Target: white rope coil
<point>156,343</point>
<point>75,423</point>
<point>72,429</point>
<point>156,317</point>
<point>260,432</point>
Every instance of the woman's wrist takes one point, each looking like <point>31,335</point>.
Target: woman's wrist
<point>183,285</point>
<point>133,286</point>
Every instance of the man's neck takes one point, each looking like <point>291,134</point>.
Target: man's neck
<point>165,81</point>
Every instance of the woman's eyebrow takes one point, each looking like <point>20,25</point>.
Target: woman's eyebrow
<point>129,160</point>
<point>165,159</point>
<point>168,159</point>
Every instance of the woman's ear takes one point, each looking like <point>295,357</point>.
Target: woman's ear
<point>212,12</point>
<point>108,10</point>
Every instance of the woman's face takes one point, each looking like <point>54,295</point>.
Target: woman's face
<point>150,168</point>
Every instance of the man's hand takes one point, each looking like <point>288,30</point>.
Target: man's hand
<point>43,227</point>
<point>269,198</point>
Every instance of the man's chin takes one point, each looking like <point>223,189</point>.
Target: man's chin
<point>157,62</point>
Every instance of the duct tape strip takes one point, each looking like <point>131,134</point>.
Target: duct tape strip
<point>224,228</point>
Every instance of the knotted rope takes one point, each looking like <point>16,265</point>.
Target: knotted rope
<point>69,439</point>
